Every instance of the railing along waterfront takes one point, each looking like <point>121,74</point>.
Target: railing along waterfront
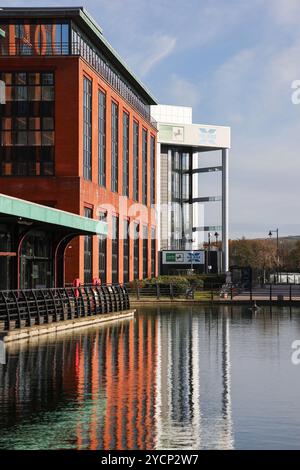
<point>216,292</point>
<point>25,308</point>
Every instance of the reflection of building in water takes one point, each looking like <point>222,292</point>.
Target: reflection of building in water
<point>90,391</point>
<point>193,382</point>
<point>120,370</point>
<point>160,381</point>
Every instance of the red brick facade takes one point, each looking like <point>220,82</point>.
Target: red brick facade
<point>68,190</point>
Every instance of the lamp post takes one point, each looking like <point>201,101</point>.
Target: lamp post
<point>277,248</point>
<point>208,253</point>
<point>217,239</point>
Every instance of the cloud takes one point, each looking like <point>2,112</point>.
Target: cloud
<point>182,92</point>
<point>159,48</point>
<point>284,12</point>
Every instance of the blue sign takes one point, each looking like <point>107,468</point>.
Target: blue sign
<point>194,257</point>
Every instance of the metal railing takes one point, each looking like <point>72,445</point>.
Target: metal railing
<point>25,308</point>
<point>267,292</point>
<point>160,291</point>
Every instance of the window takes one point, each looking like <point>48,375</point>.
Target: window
<point>136,251</point>
<point>153,252</point>
<point>27,124</point>
<point>145,158</point>
<point>88,251</point>
<point>87,129</point>
<point>34,39</point>
<point>152,170</point>
<point>114,145</point>
<point>126,251</point>
<point>115,250</point>
<point>101,138</point>
<point>81,45</point>
<point>135,161</point>
<point>145,252</point>
<point>102,252</point>
<point>125,154</point>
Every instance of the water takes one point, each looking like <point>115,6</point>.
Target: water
<point>172,378</point>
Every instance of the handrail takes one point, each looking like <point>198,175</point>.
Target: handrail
<point>25,308</point>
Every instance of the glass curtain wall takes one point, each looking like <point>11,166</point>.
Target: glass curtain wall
<point>27,124</point>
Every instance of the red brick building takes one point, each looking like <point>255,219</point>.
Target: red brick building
<point>76,135</point>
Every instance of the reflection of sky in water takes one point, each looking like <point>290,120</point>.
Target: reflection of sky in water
<point>186,378</point>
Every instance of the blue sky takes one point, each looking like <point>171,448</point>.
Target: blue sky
<point>234,61</point>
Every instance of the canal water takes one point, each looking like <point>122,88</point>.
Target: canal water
<point>188,377</point>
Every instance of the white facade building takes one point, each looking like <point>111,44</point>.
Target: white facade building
<point>188,153</point>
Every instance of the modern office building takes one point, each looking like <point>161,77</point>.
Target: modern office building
<point>192,190</point>
<point>76,135</point>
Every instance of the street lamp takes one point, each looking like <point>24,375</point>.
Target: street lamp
<point>217,239</point>
<point>208,253</point>
<point>277,250</point>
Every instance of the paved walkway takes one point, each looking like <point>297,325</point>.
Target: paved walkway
<point>263,293</point>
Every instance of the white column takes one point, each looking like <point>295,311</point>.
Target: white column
<point>158,197</point>
<point>225,245</point>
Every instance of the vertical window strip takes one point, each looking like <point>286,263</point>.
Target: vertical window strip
<point>125,154</point>
<point>126,251</point>
<point>101,138</point>
<point>135,161</point>
<point>115,249</point>
<point>145,252</point>
<point>145,161</point>
<point>114,145</point>
<point>87,129</point>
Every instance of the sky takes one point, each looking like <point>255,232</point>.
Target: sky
<point>234,62</point>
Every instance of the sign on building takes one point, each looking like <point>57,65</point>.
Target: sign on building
<point>183,257</point>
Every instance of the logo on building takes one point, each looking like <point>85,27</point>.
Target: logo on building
<point>177,134</point>
<point>208,136</point>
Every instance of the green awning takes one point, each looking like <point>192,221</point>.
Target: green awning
<point>2,33</point>
<point>25,210</point>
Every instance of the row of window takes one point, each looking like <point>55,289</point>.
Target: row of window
<point>115,153</point>
<point>82,46</point>
<point>34,39</point>
<point>27,127</point>
<point>88,252</point>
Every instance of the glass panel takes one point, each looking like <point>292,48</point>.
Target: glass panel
<point>6,123</point>
<point>20,78</point>
<point>34,78</point>
<point>34,123</point>
<point>48,138</point>
<point>20,93</point>
<point>47,93</point>
<point>34,93</point>
<point>4,39</point>
<point>65,39</point>
<point>48,123</point>
<point>21,123</point>
<point>34,138</point>
<point>47,78</point>
<point>20,127</point>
